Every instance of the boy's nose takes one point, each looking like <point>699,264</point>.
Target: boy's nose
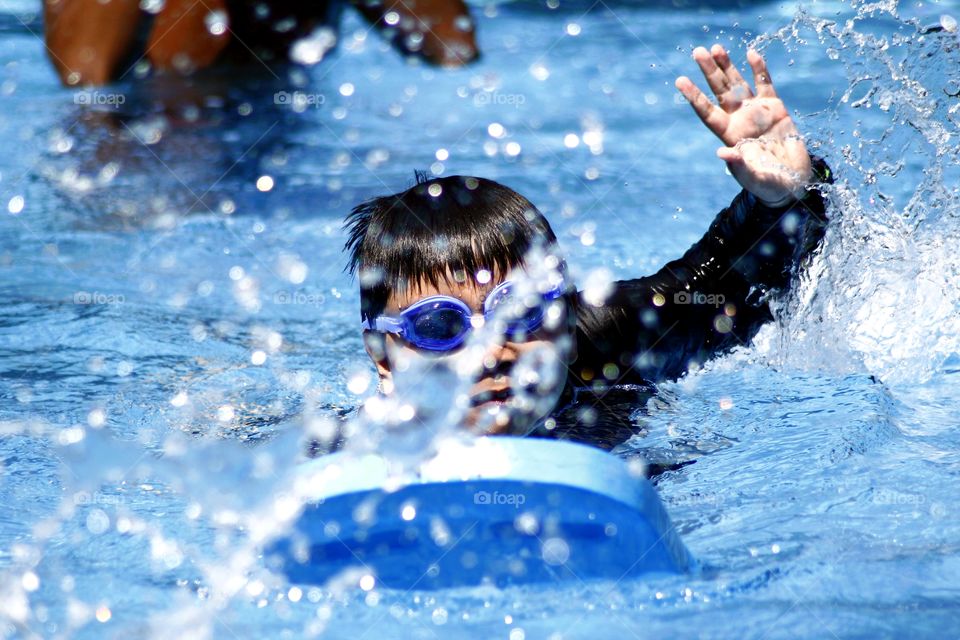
<point>500,356</point>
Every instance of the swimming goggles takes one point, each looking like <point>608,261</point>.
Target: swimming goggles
<point>443,323</point>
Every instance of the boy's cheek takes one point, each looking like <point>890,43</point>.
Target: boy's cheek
<point>411,366</point>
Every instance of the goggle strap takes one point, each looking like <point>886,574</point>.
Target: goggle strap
<point>384,324</point>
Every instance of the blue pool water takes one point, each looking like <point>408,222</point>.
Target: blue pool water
<point>168,331</point>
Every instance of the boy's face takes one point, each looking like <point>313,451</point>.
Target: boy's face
<point>509,388</point>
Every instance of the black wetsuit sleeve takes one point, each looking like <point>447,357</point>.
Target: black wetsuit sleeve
<point>712,299</point>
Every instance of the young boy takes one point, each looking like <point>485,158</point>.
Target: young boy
<point>436,258</point>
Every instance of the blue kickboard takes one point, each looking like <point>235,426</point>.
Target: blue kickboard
<point>498,510</point>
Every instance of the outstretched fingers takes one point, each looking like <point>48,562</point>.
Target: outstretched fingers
<point>761,76</point>
<point>734,79</point>
<point>716,78</point>
<point>713,116</point>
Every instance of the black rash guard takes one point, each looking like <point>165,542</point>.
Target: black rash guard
<point>713,298</point>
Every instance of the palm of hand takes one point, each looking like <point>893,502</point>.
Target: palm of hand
<point>764,150</point>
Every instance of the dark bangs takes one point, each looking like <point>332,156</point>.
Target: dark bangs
<point>454,225</point>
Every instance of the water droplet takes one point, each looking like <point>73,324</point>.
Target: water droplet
<point>216,22</point>
<point>97,522</point>
<point>30,581</point>
<point>406,413</point>
<point>539,71</point>
<point>359,382</point>
<point>555,551</point>
<point>96,418</point>
<point>598,284</point>
<point>264,183</point>
<point>527,524</point>
<point>15,205</point>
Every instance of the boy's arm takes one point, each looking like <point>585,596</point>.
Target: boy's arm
<point>708,301</point>
<point>713,297</point>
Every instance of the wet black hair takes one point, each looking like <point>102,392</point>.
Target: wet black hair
<point>438,227</point>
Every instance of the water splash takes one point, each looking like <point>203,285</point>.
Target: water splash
<point>883,296</point>
<point>185,514</point>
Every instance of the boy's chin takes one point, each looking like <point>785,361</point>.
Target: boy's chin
<point>499,419</point>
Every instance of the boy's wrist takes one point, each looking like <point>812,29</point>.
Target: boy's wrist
<point>781,204</point>
<point>819,174</point>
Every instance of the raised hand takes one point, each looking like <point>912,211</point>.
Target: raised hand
<point>764,150</point>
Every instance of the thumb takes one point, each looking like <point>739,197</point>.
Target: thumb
<point>730,154</point>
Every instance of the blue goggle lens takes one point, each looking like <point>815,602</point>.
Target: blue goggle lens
<point>438,325</point>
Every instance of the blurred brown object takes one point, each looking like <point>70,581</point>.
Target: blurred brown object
<point>88,40</point>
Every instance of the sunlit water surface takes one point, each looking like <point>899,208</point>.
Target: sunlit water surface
<point>168,330</point>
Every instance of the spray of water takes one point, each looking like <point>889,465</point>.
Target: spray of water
<point>883,296</point>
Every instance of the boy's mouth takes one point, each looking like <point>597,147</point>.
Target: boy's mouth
<point>491,396</point>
